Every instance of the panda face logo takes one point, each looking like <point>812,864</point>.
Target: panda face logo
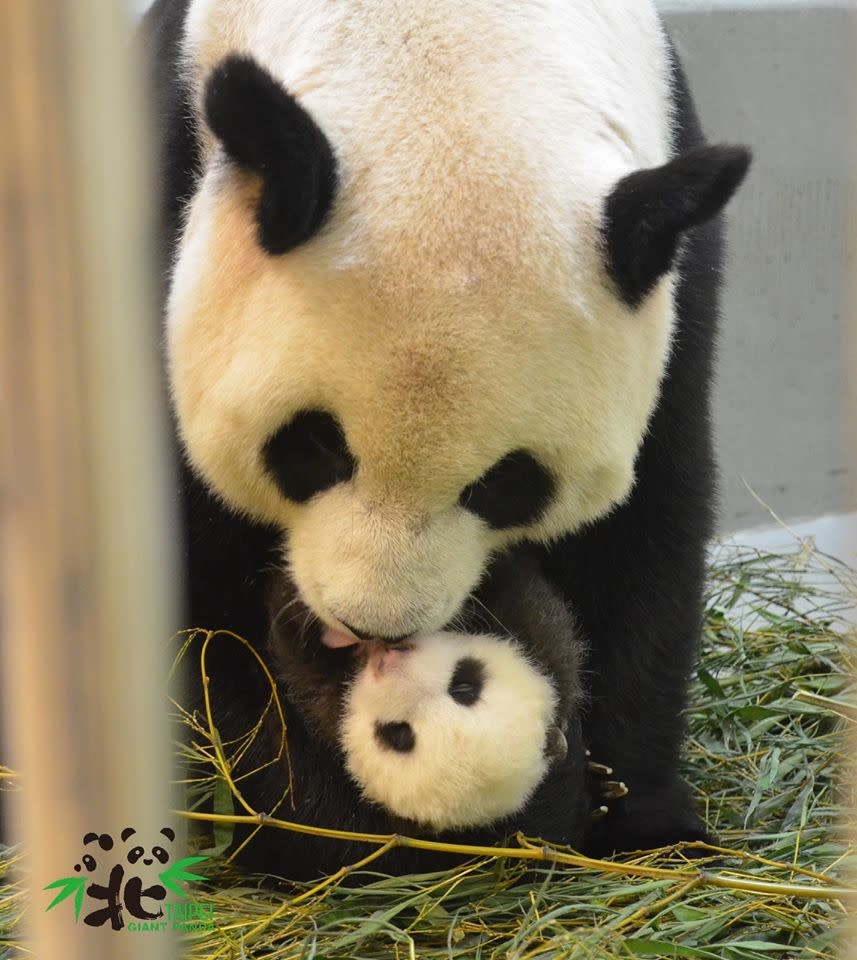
<point>94,842</point>
<point>156,854</point>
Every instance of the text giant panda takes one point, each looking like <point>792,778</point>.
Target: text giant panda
<point>443,279</point>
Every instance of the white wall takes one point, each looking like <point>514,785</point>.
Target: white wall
<point>780,77</point>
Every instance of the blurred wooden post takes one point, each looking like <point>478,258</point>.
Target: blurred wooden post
<point>850,932</point>
<point>851,421</point>
<point>87,562</point>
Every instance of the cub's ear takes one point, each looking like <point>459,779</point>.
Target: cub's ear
<point>648,210</point>
<point>265,130</point>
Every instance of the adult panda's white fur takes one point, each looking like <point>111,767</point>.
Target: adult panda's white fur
<point>455,306</point>
<point>451,731</point>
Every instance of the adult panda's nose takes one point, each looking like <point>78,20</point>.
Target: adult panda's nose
<point>365,636</point>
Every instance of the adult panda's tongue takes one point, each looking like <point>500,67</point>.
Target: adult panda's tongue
<point>337,639</point>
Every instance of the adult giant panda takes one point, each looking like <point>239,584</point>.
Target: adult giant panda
<point>443,278</point>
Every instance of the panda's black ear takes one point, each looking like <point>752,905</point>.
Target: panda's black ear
<point>265,130</point>
<point>647,211</point>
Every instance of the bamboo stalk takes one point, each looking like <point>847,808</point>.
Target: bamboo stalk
<point>87,576</point>
<point>543,854</point>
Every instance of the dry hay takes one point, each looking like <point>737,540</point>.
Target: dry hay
<point>766,753</point>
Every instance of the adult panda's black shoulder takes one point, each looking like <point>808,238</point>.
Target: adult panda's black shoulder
<point>442,279</point>
<point>637,575</point>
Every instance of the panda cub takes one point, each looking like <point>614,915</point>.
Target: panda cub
<point>453,730</point>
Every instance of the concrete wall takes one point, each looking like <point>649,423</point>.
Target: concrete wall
<point>781,78</point>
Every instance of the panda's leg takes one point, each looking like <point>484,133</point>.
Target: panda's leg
<point>636,579</point>
<point>637,594</point>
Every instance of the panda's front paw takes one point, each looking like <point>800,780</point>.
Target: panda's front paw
<point>643,817</point>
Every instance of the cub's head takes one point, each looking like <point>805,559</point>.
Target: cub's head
<point>412,330</point>
<point>451,731</point>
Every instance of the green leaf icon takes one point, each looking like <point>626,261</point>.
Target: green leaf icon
<point>70,885</point>
<point>176,874</point>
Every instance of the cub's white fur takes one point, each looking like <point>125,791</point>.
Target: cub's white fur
<point>455,306</point>
<point>470,765</point>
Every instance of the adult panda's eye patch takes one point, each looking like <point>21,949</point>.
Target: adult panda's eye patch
<point>514,492</point>
<point>308,455</point>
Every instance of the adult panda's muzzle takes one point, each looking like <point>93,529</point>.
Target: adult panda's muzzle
<point>370,572</point>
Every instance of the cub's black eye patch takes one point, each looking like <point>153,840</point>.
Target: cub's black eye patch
<point>308,455</point>
<point>514,492</point>
<point>395,736</point>
<point>467,681</point>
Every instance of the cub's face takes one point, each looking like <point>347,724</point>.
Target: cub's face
<point>450,731</point>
